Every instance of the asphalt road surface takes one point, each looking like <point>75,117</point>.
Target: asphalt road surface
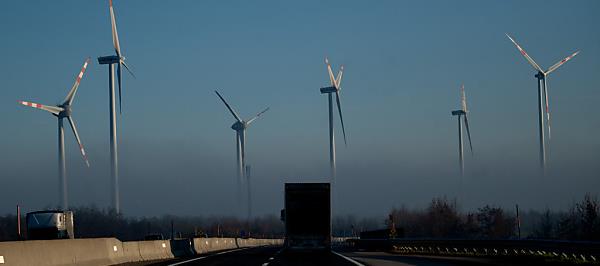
<point>273,256</point>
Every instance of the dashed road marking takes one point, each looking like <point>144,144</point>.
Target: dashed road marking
<point>348,259</point>
<point>272,258</point>
<point>199,258</point>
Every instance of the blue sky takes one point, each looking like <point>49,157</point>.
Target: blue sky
<point>404,63</point>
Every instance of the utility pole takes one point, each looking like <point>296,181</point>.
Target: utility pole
<point>518,221</point>
<point>18,222</point>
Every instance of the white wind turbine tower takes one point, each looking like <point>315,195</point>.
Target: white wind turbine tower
<point>462,113</point>
<point>63,111</point>
<point>334,88</point>
<point>240,127</point>
<point>111,60</point>
<point>542,96</point>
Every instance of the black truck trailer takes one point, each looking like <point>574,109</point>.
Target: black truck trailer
<point>307,216</point>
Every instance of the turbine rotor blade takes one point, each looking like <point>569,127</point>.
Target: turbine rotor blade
<point>119,80</point>
<point>338,81</point>
<point>115,35</point>
<point>256,116</point>
<point>337,98</point>
<point>463,99</point>
<point>73,91</point>
<point>331,77</point>
<point>127,68</point>
<point>561,62</point>
<point>547,109</point>
<point>81,149</point>
<point>468,132</point>
<point>52,109</point>
<point>529,59</point>
<point>235,115</point>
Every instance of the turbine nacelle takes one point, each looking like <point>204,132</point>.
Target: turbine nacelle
<point>540,75</point>
<point>111,59</point>
<point>237,126</point>
<point>331,89</point>
<point>458,112</point>
<point>66,112</point>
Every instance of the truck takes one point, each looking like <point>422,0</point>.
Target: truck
<point>307,216</point>
<point>50,224</point>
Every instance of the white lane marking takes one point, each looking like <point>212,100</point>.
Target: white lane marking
<point>190,260</point>
<point>199,258</point>
<point>272,258</point>
<point>348,259</point>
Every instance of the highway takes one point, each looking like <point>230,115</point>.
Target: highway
<point>273,256</point>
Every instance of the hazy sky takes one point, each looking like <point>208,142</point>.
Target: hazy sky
<point>404,62</point>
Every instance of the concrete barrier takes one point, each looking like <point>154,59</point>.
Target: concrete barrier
<point>131,252</point>
<point>155,250</point>
<point>100,251</point>
<point>108,251</point>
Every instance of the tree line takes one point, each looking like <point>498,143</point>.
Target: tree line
<point>440,219</point>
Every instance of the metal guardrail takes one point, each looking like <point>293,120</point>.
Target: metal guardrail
<point>563,250</point>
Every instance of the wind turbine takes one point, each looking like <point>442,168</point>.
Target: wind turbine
<point>63,111</point>
<point>462,113</point>
<point>542,96</point>
<point>111,60</point>
<point>334,88</point>
<point>240,127</point>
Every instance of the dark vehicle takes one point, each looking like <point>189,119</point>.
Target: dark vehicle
<point>307,216</point>
<point>382,234</point>
<point>50,225</point>
<point>154,237</point>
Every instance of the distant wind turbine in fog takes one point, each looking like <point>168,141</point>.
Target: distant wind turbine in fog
<point>240,127</point>
<point>62,111</point>
<point>542,96</point>
<point>335,87</point>
<point>462,113</point>
<point>111,60</point>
